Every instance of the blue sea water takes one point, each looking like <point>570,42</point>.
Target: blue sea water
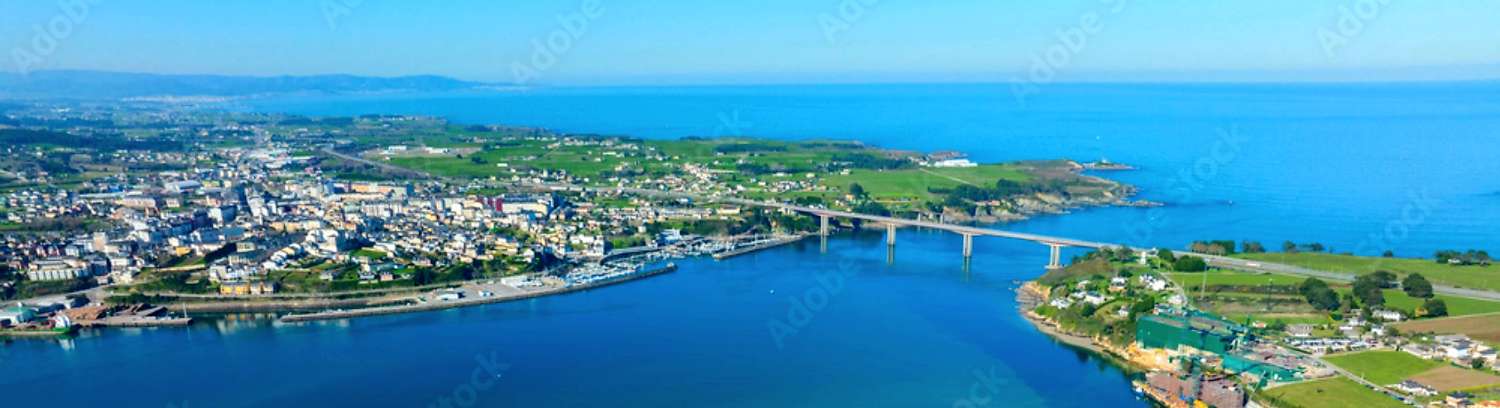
<point>1361,168</point>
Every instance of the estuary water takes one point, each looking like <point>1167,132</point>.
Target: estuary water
<point>1361,168</point>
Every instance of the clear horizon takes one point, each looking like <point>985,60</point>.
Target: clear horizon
<point>600,42</point>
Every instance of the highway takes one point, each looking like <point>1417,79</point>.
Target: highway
<point>1217,261</point>
<point>1284,269</point>
<point>1214,260</point>
<point>383,166</point>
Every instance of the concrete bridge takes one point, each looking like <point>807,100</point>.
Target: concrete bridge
<point>824,215</point>
<point>1055,244</point>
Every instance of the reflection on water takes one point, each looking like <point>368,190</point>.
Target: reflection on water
<point>917,330</point>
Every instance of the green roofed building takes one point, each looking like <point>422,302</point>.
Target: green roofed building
<point>1196,330</point>
<point>1264,370</point>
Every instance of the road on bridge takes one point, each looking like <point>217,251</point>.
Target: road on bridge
<point>1214,260</point>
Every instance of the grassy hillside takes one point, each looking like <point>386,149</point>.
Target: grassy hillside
<point>1477,277</point>
<point>1091,267</point>
<point>913,184</point>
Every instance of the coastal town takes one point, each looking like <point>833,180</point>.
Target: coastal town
<point>144,216</point>
<point>744,204</point>
<point>188,212</point>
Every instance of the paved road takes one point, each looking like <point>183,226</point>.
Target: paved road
<point>960,229</point>
<point>1219,261</point>
<point>1260,266</point>
<point>383,166</point>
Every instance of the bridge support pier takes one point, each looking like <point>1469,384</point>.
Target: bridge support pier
<point>890,234</point>
<point>968,246</point>
<point>1055,260</point>
<point>823,225</point>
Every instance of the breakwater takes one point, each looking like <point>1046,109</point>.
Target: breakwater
<point>440,305</point>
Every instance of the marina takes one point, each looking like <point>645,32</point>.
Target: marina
<point>483,294</point>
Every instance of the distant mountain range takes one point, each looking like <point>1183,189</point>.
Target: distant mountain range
<point>113,85</point>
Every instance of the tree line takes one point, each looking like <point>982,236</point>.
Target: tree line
<point>1368,293</point>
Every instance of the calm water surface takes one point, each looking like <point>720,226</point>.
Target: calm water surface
<point>1359,168</point>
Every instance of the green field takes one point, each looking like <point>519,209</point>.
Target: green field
<point>1383,367</point>
<point>594,160</point>
<point>795,159</point>
<point>1194,280</point>
<point>913,184</point>
<point>1288,318</point>
<point>1333,392</point>
<point>1457,306</point>
<point>1477,277</point>
<point>1394,298</point>
<point>374,254</point>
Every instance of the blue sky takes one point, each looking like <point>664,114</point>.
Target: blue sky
<point>768,41</point>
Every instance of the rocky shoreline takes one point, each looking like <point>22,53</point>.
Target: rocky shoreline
<point>1128,358</point>
<point>1099,192</point>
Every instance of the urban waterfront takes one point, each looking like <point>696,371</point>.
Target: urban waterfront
<point>917,332</point>
<point>1331,164</point>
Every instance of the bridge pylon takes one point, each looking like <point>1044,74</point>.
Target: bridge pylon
<point>890,234</point>
<point>968,246</point>
<point>1055,260</point>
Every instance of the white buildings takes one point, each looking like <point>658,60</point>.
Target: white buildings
<point>1153,283</point>
<point>56,269</point>
<point>539,204</point>
<point>1387,315</point>
<point>1095,299</point>
<point>1460,349</point>
<point>1414,388</point>
<point>186,186</point>
<point>327,241</point>
<point>1328,345</point>
<point>953,163</point>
